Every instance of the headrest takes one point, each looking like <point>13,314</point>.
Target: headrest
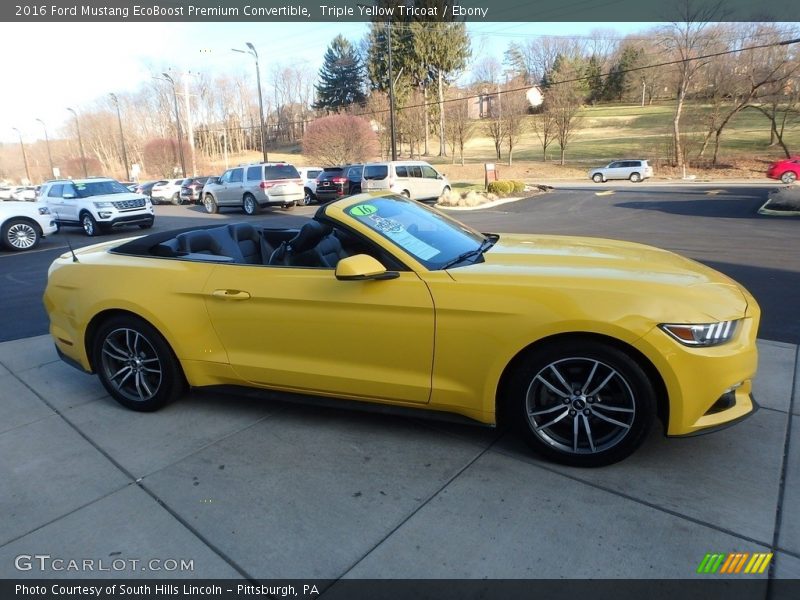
<point>309,236</point>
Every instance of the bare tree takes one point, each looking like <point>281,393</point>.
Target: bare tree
<point>515,109</point>
<point>686,41</point>
<point>544,125</point>
<point>340,139</point>
<point>458,129</point>
<point>563,100</point>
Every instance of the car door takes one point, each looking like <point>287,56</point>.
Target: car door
<point>302,329</point>
<point>69,203</point>
<point>54,201</point>
<point>614,170</point>
<point>433,185</point>
<point>416,183</point>
<point>220,191</point>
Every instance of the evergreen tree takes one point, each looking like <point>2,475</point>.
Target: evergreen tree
<point>340,78</point>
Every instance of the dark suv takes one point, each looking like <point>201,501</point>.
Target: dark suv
<point>338,182</point>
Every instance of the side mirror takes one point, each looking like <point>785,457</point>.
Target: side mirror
<point>362,267</point>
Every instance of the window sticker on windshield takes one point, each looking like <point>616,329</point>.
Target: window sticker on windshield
<point>412,244</point>
<point>386,225</point>
<point>362,210</point>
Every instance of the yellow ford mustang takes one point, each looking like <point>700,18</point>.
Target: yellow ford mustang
<point>578,343</point>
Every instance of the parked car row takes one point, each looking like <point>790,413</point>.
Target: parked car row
<point>19,192</point>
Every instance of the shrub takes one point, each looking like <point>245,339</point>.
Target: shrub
<point>501,187</point>
<point>519,186</point>
<point>340,139</point>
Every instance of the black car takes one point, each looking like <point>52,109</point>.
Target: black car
<point>338,182</point>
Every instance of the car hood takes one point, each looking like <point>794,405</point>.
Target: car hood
<point>115,197</point>
<point>607,264</point>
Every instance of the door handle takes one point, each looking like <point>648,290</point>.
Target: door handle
<point>231,294</point>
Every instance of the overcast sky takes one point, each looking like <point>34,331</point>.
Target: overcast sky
<point>47,67</point>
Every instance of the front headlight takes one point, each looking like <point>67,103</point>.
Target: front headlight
<point>701,334</point>
<point>102,204</point>
<point>43,210</point>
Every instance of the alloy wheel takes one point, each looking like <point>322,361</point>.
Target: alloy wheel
<point>22,236</point>
<point>580,405</point>
<point>131,365</point>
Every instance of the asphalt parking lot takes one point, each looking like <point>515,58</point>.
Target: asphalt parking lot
<point>258,487</point>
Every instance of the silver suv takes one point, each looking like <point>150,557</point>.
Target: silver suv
<point>252,187</point>
<point>635,170</point>
<point>97,204</point>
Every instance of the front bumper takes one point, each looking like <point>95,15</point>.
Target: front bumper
<point>123,220</point>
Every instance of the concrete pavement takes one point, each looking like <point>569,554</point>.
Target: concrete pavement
<point>265,489</point>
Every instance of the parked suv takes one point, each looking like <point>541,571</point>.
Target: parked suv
<point>309,177</point>
<point>96,204</point>
<point>635,170</point>
<point>24,224</point>
<point>192,189</point>
<point>413,179</point>
<point>252,187</point>
<point>338,182</point>
<point>168,190</point>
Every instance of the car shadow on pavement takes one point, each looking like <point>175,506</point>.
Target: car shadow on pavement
<point>707,206</point>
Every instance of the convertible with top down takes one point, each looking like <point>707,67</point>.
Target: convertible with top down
<point>580,344</point>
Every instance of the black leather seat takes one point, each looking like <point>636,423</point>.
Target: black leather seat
<point>204,242</point>
<point>313,246</point>
<point>253,248</point>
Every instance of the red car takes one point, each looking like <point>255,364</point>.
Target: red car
<point>787,170</point>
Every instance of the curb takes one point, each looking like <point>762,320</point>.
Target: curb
<point>491,204</point>
<point>777,213</point>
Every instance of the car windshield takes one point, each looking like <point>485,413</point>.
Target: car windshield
<point>99,188</point>
<point>434,239</point>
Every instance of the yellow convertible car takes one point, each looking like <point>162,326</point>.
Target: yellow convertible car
<point>578,343</point>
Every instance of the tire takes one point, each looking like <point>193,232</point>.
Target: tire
<point>598,178</point>
<point>288,206</point>
<point>563,390</point>
<point>789,177</point>
<point>21,234</point>
<point>308,197</point>
<point>405,194</point>
<point>635,177</point>
<point>146,225</point>
<point>90,226</point>
<point>445,190</point>
<point>136,365</point>
<point>176,199</point>
<point>210,204</point>
<point>249,205</point>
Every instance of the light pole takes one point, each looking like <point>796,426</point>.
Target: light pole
<point>24,156</point>
<point>391,89</point>
<point>80,142</point>
<point>115,100</point>
<point>177,123</point>
<point>254,54</point>
<point>47,142</point>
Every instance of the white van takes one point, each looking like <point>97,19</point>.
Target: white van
<point>413,179</point>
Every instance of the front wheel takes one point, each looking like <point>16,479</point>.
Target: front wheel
<point>581,402</point>
<point>288,206</point>
<point>19,234</point>
<point>147,225</point>
<point>597,178</point>
<point>308,197</point>
<point>249,205</point>
<point>136,365</point>
<point>176,199</point>
<point>789,177</point>
<point>210,204</point>
<point>89,225</point>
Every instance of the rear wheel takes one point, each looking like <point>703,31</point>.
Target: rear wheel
<point>249,204</point>
<point>89,225</point>
<point>176,198</point>
<point>210,204</point>
<point>20,234</point>
<point>635,177</point>
<point>308,197</point>
<point>581,402</point>
<point>136,365</point>
<point>789,177</point>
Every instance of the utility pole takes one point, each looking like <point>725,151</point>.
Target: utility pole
<point>391,89</point>
<point>80,142</point>
<point>177,123</point>
<point>24,156</point>
<point>47,143</point>
<point>252,52</point>
<point>115,100</point>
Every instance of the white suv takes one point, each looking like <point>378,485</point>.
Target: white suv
<point>96,204</point>
<point>635,170</point>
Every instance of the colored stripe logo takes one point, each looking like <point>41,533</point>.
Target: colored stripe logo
<point>735,563</point>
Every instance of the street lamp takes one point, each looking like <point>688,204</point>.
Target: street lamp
<point>177,122</point>
<point>80,142</point>
<point>115,100</point>
<point>24,156</point>
<point>254,54</point>
<point>47,142</point>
